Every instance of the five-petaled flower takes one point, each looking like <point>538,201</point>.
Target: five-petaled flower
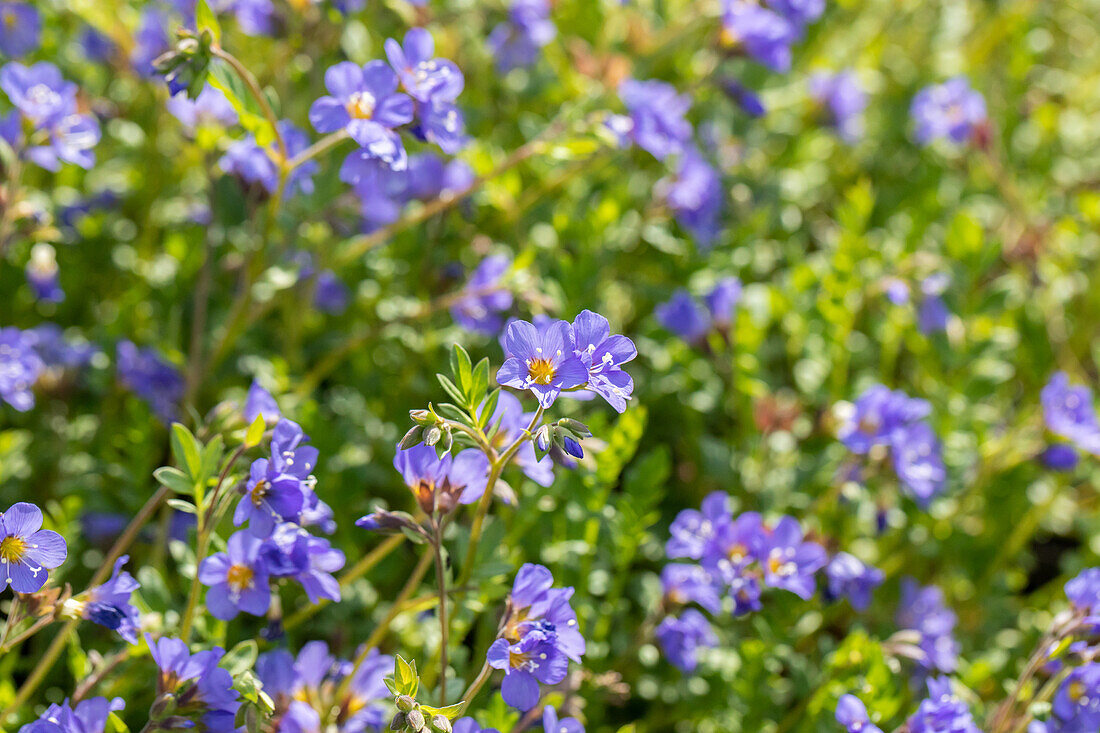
<point>26,550</point>
<point>541,360</point>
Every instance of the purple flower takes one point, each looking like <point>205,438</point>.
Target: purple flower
<point>438,483</point>
<point>20,27</point>
<point>210,108</point>
<point>918,461</point>
<point>260,402</point>
<point>270,497</point>
<point>681,638</point>
<point>942,711</point>
<point>96,46</point>
<point>150,41</point>
<point>843,100</point>
<point>109,604</point>
<point>20,367</point>
<point>469,725</point>
<point>789,562</point>
<point>1084,591</point>
<point>1068,413</point>
<point>745,98</point>
<point>1059,457</point>
<point>151,377</point>
<point>922,609</point>
<point>292,552</point>
<point>850,578</point>
<point>535,658</point>
<point>852,714</point>
<point>365,101</point>
<point>56,351</point>
<point>237,579</point>
<point>684,316</point>
<point>683,583</point>
<point>87,716</point>
<point>723,300</point>
<point>517,42</point>
<point>551,723</point>
<point>256,17</point>
<point>764,34</point>
<point>425,78</point>
<point>603,355</point>
<point>693,530</point>
<point>695,196</point>
<point>657,116</point>
<point>203,690</point>
<point>483,298</point>
<point>733,544</point>
<point>933,314</point>
<point>43,275</point>
<point>255,165</point>
<point>48,103</point>
<point>26,550</point>
<point>880,417</point>
<point>897,291</point>
<point>442,124</point>
<point>541,360</point>
<point>331,295</point>
<point>799,12</point>
<point>536,604</point>
<point>950,110</point>
<point>1076,705</point>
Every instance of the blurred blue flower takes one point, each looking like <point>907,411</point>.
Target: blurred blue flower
<point>656,111</point>
<point>694,194</point>
<point>43,274</point>
<point>762,33</point>
<point>150,377</point>
<point>109,604</point>
<point>20,28</point>
<point>86,716</point>
<point>365,101</point>
<point>1069,413</point>
<point>852,714</point>
<point>950,111</point>
<point>843,100</point>
<point>942,711</point>
<point>20,367</point>
<point>922,609</point>
<point>516,42</point>
<point>684,316</point>
<point>211,698</point>
<point>681,638</point>
<point>849,577</point>
<point>478,305</point>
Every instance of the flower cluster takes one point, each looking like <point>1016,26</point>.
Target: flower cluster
<point>556,357</point>
<point>1069,414</point>
<point>46,112</point>
<point>306,688</point>
<point>922,609</point>
<point>766,31</point>
<point>891,421</point>
<point>192,688</point>
<point>539,637</point>
<point>691,320</point>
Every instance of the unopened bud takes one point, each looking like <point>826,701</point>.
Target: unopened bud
<point>398,722</point>
<point>441,724</point>
<point>413,437</point>
<point>576,427</point>
<point>415,719</point>
<point>421,417</point>
<point>572,447</point>
<point>542,438</point>
<point>405,703</point>
<point>433,435</point>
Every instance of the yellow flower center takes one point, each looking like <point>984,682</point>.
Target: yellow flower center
<point>239,577</point>
<point>1076,691</point>
<point>541,371</point>
<point>511,630</point>
<point>361,106</point>
<point>517,660</point>
<point>9,19</point>
<point>12,549</point>
<point>259,491</point>
<point>737,553</point>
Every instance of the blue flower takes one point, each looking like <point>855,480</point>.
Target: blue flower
<point>722,300</point>
<point>512,421</point>
<point>203,690</point>
<point>1068,413</point>
<point>683,583</point>
<point>950,110</point>
<point>657,122</point>
<point>150,41</point>
<point>942,711</point>
<point>852,714</point>
<point>851,578</point>
<point>535,658</point>
<point>541,360</point>
<point>922,609</point>
<point>535,602</point>
<point>469,725</point>
<point>292,552</point>
<point>1084,591</point>
<point>237,579</point>
<point>48,103</point>
<point>789,562</point>
<point>1076,705</point>
<point>745,98</point>
<point>764,34</point>
<point>880,416</point>
<point>151,377</point>
<point>26,550</point>
<point>932,314</point>
<point>330,295</point>
<point>918,461</point>
<point>477,307</point>
<point>843,100</point>
<point>442,483</point>
<point>20,28</point>
<point>551,723</point>
<point>424,77</point>
<point>256,165</point>
<point>43,274</point>
<point>1059,457</point>
<point>517,42</point>
<point>684,316</point>
<point>681,638</point>
<point>210,108</point>
<point>109,604</point>
<point>603,355</point>
<point>260,402</point>
<point>270,497</point>
<point>87,716</point>
<point>693,529</point>
<point>365,101</point>
<point>695,196</point>
<point>20,367</point>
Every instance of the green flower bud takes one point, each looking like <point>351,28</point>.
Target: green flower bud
<point>415,719</point>
<point>398,722</point>
<point>413,437</point>
<point>440,724</point>
<point>405,703</point>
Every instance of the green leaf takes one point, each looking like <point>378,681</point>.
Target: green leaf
<point>461,367</point>
<point>174,479</point>
<point>479,384</point>
<point>255,432</point>
<point>391,686</point>
<point>182,506</point>
<point>488,408</point>
<point>450,712</point>
<point>240,658</point>
<point>405,677</point>
<point>223,78</point>
<point>452,391</point>
<point>212,456</point>
<point>187,451</point>
<point>206,20</point>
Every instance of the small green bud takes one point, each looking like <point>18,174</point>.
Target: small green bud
<point>415,719</point>
<point>440,724</point>
<point>576,427</point>
<point>413,437</point>
<point>421,417</point>
<point>398,722</point>
<point>405,703</point>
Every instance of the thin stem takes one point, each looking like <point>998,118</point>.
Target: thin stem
<point>487,498</point>
<point>9,624</point>
<point>475,686</point>
<point>45,663</point>
<point>254,88</point>
<point>321,146</point>
<point>364,566</point>
<point>441,582</point>
<point>129,535</point>
<point>380,631</point>
<point>26,633</point>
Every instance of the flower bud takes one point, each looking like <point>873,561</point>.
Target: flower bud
<point>415,719</point>
<point>421,417</point>
<point>405,703</point>
<point>413,437</point>
<point>542,438</point>
<point>440,724</point>
<point>572,447</point>
<point>398,722</point>
<point>433,435</point>
<point>576,427</point>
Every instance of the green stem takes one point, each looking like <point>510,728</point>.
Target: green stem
<point>317,148</point>
<point>254,88</point>
<point>9,624</point>
<point>441,582</point>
